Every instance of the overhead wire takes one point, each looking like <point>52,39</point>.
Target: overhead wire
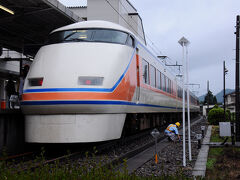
<point>133,27</point>
<point>155,51</point>
<point>172,62</point>
<point>159,51</point>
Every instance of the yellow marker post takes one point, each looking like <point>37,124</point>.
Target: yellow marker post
<point>156,159</point>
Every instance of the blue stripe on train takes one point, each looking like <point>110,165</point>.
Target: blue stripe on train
<point>93,103</point>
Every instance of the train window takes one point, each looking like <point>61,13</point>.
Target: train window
<point>170,88</point>
<point>167,84</point>
<point>109,36</point>
<point>163,80</point>
<point>88,35</point>
<point>179,91</point>
<point>152,76</point>
<point>130,41</point>
<point>158,76</point>
<point>145,70</point>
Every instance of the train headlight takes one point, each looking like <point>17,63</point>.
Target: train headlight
<point>35,81</point>
<point>90,80</point>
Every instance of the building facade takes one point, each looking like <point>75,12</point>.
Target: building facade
<point>230,100</point>
<point>121,12</point>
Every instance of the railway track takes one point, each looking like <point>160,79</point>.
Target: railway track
<point>22,163</point>
<point>109,154</point>
<point>17,156</point>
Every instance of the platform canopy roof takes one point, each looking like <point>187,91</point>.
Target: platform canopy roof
<point>27,29</point>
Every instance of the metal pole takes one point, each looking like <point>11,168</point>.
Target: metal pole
<point>237,81</point>
<point>156,160</point>
<point>183,109</point>
<point>207,97</point>
<point>4,97</point>
<point>224,105</point>
<point>188,109</point>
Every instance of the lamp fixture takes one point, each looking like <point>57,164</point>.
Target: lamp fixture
<point>6,9</point>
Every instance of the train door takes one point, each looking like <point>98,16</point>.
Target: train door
<point>138,76</point>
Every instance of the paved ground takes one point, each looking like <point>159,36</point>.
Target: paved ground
<point>200,165</point>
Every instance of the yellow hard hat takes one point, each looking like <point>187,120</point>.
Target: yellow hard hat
<point>178,124</point>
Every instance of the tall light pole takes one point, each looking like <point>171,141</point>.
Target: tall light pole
<point>237,107</point>
<point>224,93</point>
<point>188,108</point>
<point>184,43</point>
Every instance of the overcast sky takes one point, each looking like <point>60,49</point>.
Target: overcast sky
<point>208,24</point>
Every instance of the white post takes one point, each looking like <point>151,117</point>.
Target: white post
<point>183,109</point>
<point>183,42</point>
<point>188,109</point>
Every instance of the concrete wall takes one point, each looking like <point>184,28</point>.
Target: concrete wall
<point>131,22</point>
<point>12,66</point>
<point>116,11</point>
<point>79,11</point>
<point>101,10</point>
<point>9,66</point>
<point>12,132</point>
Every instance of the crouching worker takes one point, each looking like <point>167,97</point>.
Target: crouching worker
<point>172,132</point>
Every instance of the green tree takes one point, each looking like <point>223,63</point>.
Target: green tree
<point>216,115</point>
<point>208,98</point>
<point>215,100</point>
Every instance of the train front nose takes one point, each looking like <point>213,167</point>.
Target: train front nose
<point>74,65</point>
<point>68,106</point>
<point>64,75</point>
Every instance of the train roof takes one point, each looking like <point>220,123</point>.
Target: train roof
<point>93,24</point>
<point>106,25</point>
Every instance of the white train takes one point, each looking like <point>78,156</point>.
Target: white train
<point>88,77</point>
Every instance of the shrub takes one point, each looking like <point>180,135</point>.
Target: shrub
<point>216,115</point>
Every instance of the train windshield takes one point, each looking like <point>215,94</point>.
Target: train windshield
<point>88,35</point>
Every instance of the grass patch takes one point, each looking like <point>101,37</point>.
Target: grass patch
<point>211,162</point>
<point>214,152</point>
<point>89,169</point>
<point>223,163</point>
<point>212,156</point>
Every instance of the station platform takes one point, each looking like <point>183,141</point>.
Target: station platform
<point>200,165</point>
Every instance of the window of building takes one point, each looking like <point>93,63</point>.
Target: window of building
<point>145,70</point>
<point>152,76</point>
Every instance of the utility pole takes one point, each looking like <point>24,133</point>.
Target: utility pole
<point>237,81</point>
<point>224,92</point>
<point>207,96</point>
